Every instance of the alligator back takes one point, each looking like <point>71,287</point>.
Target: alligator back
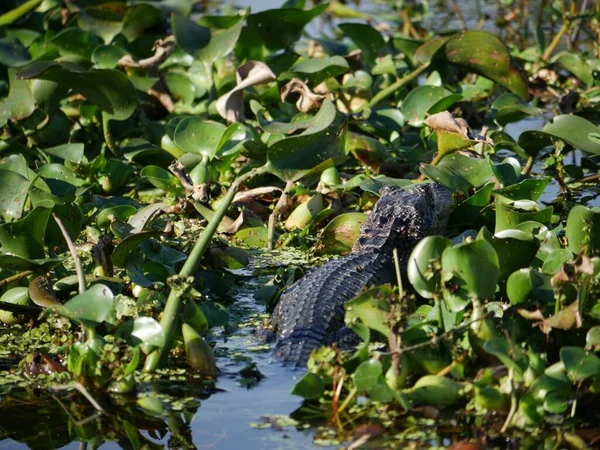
<point>312,308</point>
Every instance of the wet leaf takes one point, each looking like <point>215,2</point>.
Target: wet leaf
<point>371,309</point>
<point>13,194</point>
<point>19,104</point>
<point>511,215</point>
<point>143,330</point>
<point>418,102</point>
<point>459,172</point>
<point>199,353</point>
<point>436,391</point>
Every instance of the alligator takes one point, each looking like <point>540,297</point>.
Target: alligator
<point>311,311</point>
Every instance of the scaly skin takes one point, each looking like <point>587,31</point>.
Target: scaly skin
<point>312,309</point>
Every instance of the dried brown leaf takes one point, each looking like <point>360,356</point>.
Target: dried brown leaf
<point>231,105</point>
<point>307,100</point>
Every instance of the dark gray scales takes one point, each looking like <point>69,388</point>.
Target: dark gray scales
<point>312,309</point>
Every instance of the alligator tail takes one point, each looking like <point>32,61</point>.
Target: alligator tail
<point>297,347</point>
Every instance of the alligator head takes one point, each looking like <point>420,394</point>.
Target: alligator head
<point>400,217</point>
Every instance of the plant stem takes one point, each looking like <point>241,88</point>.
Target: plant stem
<point>212,92</point>
<point>16,277</point>
<point>73,250</point>
<point>528,165</point>
<point>385,93</point>
<point>108,137</point>
<point>18,12</point>
<point>555,41</point>
<point>275,214</point>
<point>169,321</point>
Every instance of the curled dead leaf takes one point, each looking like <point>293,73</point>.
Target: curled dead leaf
<point>307,100</point>
<point>162,50</point>
<point>565,319</point>
<point>445,122</point>
<point>231,105</point>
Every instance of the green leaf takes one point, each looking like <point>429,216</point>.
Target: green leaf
<point>579,364</point>
<point>459,172</point>
<point>485,54</point>
<point>108,56</point>
<point>223,40</point>
<point>278,28</point>
<point>309,387</point>
<point>371,309</point>
<point>14,262</point>
<point>101,21</point>
<point>524,283</point>
<point>574,130</point>
<point>143,330</point>
<point>76,42</point>
<point>418,102</point>
<point>575,64</point>
<point>319,146</point>
<point>92,306</point>
<point>509,354</point>
<point>368,378</point>
<point>190,36</point>
<point>510,215</point>
<point>510,108</point>
<point>111,90</point>
<point>13,194</point>
<point>128,245</point>
<point>13,53</point>
<point>162,179</point>
<point>424,264</point>
<point>19,104</point>
<point>338,237</point>
<point>473,266</point>
<point>25,237</point>
<point>202,137</point>
<point>366,38</point>
<point>67,152</point>
<point>583,230</point>
<point>531,189</point>
<point>138,19</point>
<point>317,70</point>
<point>181,87</point>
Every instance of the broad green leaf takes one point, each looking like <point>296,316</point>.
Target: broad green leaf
<point>67,152</point>
<point>119,212</point>
<point>13,53</point>
<point>317,147</point>
<point>111,90</point>
<point>579,364</point>
<point>277,28</point>
<point>201,137</point>
<point>369,380</point>
<point>574,130</point>
<point>14,262</point>
<point>470,209</point>
<point>484,53</point>
<point>366,38</point>
<point>19,103</point>
<point>143,330</point>
<point>162,179</point>
<point>222,39</point>
<point>105,21</point>
<point>25,237</point>
<point>577,66</point>
<point>94,306</point>
<point>459,172</point>
<point>510,215</point>
<point>371,309</point>
<point>473,266</point>
<point>199,353</point>
<point>190,36</point>
<point>13,194</point>
<point>316,70</point>
<point>510,354</point>
<point>108,56</point>
<point>531,189</point>
<point>309,387</point>
<point>128,245</point>
<point>515,249</point>
<point>424,265</point>
<point>524,283</point>
<point>181,87</point>
<point>418,102</point>
<point>138,19</point>
<point>510,108</point>
<point>76,42</point>
<point>338,237</point>
<point>436,391</point>
<point>583,230</point>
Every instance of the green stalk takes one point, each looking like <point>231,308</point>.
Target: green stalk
<point>15,14</point>
<point>202,173</point>
<point>8,142</point>
<point>383,94</point>
<point>275,215</point>
<point>108,137</point>
<point>172,311</point>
